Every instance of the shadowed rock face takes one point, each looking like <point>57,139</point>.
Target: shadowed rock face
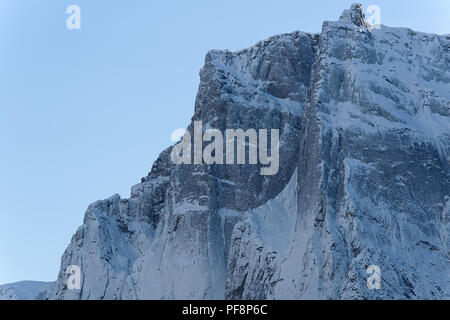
<point>364,180</point>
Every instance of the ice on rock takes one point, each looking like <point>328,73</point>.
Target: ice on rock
<point>354,15</point>
<point>364,120</point>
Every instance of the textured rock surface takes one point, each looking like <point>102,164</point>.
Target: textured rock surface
<point>373,172</point>
<point>364,118</point>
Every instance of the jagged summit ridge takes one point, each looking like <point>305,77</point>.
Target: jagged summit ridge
<point>354,15</point>
<point>364,180</point>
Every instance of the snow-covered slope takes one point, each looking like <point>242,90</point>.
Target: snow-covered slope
<point>373,172</point>
<point>24,290</point>
<point>364,120</point>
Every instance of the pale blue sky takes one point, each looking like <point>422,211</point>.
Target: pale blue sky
<point>84,113</point>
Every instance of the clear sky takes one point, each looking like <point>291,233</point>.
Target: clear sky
<point>84,113</point>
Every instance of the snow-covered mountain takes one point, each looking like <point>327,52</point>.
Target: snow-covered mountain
<point>364,179</point>
<point>24,290</point>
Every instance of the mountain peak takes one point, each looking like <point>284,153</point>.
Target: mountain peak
<point>364,177</point>
<point>354,15</point>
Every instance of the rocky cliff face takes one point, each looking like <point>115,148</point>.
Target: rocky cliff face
<point>364,118</point>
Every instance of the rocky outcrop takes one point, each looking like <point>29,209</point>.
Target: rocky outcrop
<point>364,118</point>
